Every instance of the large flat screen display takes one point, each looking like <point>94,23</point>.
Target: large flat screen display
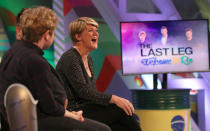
<point>164,46</point>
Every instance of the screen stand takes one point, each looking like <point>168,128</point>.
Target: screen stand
<point>164,82</point>
<point>155,76</point>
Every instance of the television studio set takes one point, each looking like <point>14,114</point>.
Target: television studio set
<point>104,65</point>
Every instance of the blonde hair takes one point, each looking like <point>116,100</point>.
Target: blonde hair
<point>142,32</point>
<point>34,22</point>
<point>78,26</point>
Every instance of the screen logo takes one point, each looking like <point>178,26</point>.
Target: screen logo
<point>186,60</point>
<point>155,61</point>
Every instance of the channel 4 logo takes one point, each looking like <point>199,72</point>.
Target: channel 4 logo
<point>186,60</point>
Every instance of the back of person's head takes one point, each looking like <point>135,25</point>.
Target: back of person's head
<point>35,22</point>
<point>19,33</point>
<point>18,16</point>
<point>79,25</point>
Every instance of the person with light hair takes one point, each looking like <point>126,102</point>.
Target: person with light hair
<point>24,63</point>
<point>76,69</point>
<point>142,36</point>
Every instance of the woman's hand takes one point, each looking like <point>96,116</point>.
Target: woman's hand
<point>123,103</point>
<point>75,115</point>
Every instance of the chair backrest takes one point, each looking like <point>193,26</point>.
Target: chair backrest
<point>21,108</point>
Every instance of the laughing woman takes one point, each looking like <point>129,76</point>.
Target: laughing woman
<point>76,69</point>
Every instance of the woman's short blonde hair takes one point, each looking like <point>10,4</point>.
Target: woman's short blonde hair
<point>78,26</point>
<point>34,22</point>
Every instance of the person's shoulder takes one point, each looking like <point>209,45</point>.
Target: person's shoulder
<point>70,57</point>
<point>36,63</point>
<point>71,53</point>
<point>158,39</point>
<point>34,59</point>
<point>171,40</point>
<point>30,60</point>
<point>20,52</point>
<point>31,56</point>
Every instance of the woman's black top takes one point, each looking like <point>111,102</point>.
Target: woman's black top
<point>81,89</point>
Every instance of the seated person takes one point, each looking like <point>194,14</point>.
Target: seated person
<point>24,63</point>
<point>18,37</point>
<point>76,69</point>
